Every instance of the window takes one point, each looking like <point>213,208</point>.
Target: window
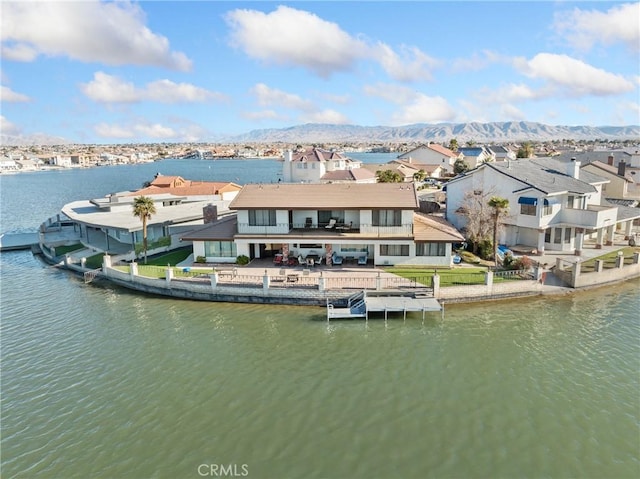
<point>262,217</point>
<point>557,236</point>
<point>387,218</point>
<point>547,209</point>
<point>567,235</point>
<point>311,245</point>
<point>354,248</point>
<point>394,250</point>
<point>528,210</point>
<point>547,235</point>
<point>431,249</point>
<point>220,249</point>
<point>570,201</point>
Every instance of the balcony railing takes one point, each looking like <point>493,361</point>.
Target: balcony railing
<point>307,229</point>
<point>593,217</point>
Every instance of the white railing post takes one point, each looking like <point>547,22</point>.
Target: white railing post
<point>133,270</point>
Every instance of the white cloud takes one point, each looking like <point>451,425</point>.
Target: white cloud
<point>137,130</point>
<point>19,52</point>
<point>10,96</point>
<point>574,76</point>
<point>292,37</point>
<point>476,61</point>
<point>288,36</point>
<point>414,65</point>
<point>326,116</point>
<point>263,115</point>
<point>425,109</point>
<point>113,33</point>
<point>105,88</point>
<point>8,128</point>
<point>585,28</point>
<point>392,93</point>
<point>416,107</point>
<point>267,96</point>
<point>510,112</point>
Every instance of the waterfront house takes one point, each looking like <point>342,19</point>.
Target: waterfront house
<point>432,154</point>
<point>552,205</point>
<point>181,205</point>
<point>316,165</point>
<point>329,223</point>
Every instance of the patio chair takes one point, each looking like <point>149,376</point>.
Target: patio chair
<point>301,261</point>
<point>332,223</point>
<point>308,222</point>
<point>336,259</point>
<point>362,260</point>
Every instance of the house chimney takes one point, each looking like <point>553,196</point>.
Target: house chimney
<point>210,214</point>
<point>610,160</point>
<point>573,169</point>
<point>288,156</point>
<point>622,168</point>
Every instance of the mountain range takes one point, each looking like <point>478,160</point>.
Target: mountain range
<point>441,132</point>
<point>499,132</point>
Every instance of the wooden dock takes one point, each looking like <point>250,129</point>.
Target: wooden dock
<point>360,305</point>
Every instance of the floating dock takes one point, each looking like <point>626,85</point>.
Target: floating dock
<point>17,241</point>
<point>360,305</point>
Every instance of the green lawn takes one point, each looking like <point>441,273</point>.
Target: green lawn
<point>172,257</point>
<point>69,248</point>
<point>448,277</point>
<point>610,258</point>
<point>95,261</point>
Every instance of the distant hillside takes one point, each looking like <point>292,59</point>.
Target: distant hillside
<point>32,140</point>
<point>478,132</point>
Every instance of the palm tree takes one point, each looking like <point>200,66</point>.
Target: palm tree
<point>500,208</point>
<point>143,208</point>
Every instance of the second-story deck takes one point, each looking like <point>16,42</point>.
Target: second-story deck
<point>322,231</point>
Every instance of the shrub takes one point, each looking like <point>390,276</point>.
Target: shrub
<point>524,262</point>
<point>485,249</point>
<point>201,259</point>
<point>242,260</point>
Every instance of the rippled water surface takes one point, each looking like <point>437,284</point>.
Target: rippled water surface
<point>100,382</point>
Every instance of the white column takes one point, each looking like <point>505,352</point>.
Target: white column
<point>579,241</point>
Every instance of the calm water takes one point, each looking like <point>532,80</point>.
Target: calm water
<point>99,382</point>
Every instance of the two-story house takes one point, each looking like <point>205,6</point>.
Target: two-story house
<point>432,154</point>
<point>316,165</point>
<point>474,156</point>
<point>621,188</point>
<point>552,205</point>
<point>375,222</point>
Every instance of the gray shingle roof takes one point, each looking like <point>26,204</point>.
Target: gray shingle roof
<point>547,175</point>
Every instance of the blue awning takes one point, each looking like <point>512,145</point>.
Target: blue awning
<point>525,200</point>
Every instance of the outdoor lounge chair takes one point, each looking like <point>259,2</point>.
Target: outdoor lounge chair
<point>308,222</point>
<point>336,259</point>
<point>362,260</point>
<point>332,223</point>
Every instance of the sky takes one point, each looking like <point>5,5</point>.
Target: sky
<point>165,71</point>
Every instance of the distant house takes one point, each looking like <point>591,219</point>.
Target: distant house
<point>552,205</point>
<point>434,155</point>
<point>376,223</point>
<point>501,152</point>
<point>476,155</point>
<point>178,186</point>
<point>316,165</point>
<point>621,185</point>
